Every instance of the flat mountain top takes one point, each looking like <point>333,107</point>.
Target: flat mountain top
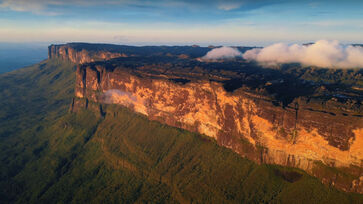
<point>282,84</point>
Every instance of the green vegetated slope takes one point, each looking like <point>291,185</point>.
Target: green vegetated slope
<point>30,99</point>
<point>55,156</point>
<point>32,94</point>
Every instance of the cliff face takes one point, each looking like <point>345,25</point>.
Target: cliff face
<point>297,136</point>
<point>68,52</point>
<point>323,138</point>
<point>80,53</point>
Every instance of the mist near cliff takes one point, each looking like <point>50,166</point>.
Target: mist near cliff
<point>113,96</point>
<point>323,53</point>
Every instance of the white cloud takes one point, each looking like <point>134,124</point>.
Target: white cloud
<point>222,53</point>
<point>323,53</point>
<point>36,6</point>
<point>42,6</point>
<point>227,6</point>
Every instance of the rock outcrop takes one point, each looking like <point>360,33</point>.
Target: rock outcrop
<point>80,53</point>
<point>321,138</point>
<point>69,52</point>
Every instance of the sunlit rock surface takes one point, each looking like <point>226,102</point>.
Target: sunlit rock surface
<point>304,133</point>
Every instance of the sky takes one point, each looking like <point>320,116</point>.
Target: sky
<point>181,22</point>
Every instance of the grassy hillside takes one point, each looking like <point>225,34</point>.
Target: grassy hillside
<point>30,99</point>
<point>32,94</point>
<point>48,155</point>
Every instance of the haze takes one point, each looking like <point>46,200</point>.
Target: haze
<point>140,22</point>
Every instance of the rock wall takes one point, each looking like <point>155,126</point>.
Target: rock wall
<point>80,53</point>
<point>326,144</point>
<point>68,52</point>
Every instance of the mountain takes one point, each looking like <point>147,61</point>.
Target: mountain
<point>86,52</point>
<point>56,147</point>
<point>268,117</point>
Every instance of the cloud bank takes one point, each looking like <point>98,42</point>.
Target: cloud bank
<point>323,53</point>
<point>222,53</point>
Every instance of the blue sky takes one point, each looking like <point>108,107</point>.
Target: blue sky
<point>155,22</point>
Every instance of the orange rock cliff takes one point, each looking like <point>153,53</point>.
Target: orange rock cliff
<point>306,134</point>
